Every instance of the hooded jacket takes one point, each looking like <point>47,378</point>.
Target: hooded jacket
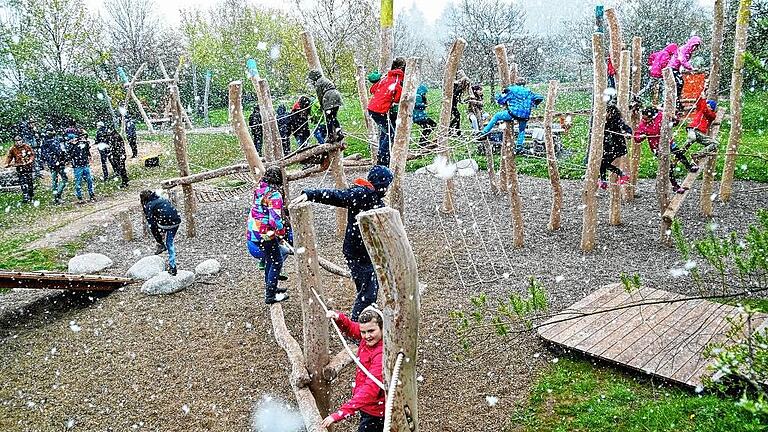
<point>80,152</point>
<point>650,130</point>
<point>519,101</point>
<point>53,152</point>
<point>265,220</point>
<point>327,94</point>
<point>420,105</point>
<point>254,123</point>
<point>660,59</point>
<point>682,58</point>
<point>703,117</point>
<point>386,92</point>
<point>613,142</point>
<point>160,213</point>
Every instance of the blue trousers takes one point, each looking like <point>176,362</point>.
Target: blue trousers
<point>83,173</point>
<point>369,423</point>
<point>366,284</point>
<point>59,181</point>
<point>504,115</point>
<point>170,235</point>
<point>273,264</point>
<point>386,134</point>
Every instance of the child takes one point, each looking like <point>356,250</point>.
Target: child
<point>367,397</point>
<point>162,218</point>
<point>614,145</point>
<point>299,121</point>
<point>681,61</point>
<point>650,127</point>
<point>364,195</point>
<point>420,116</point>
<point>460,85</point>
<point>267,228</point>
<point>657,62</point>
<point>698,129</point>
<point>518,102</point>
<point>386,92</point>
<point>330,100</point>
<point>257,129</point>
<point>475,103</point>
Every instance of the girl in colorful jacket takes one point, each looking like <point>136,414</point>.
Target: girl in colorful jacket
<point>267,228</point>
<point>367,396</point>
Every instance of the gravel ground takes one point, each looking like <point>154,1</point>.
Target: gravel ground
<point>201,359</point>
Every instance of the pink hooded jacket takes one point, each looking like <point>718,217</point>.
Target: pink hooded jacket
<point>660,59</point>
<point>683,57</point>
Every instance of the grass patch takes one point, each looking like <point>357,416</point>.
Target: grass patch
<point>577,395</point>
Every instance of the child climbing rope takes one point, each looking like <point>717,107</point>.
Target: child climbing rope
<point>650,128</point>
<point>267,228</point>
<point>364,195</point>
<point>329,99</point>
<point>367,396</point>
<point>163,219</point>
<point>698,129</point>
<point>518,102</point>
<point>420,116</point>
<point>614,145</point>
<point>386,92</point>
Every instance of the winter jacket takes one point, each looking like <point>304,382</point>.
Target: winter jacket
<point>660,59</point>
<point>327,95</point>
<point>300,112</point>
<point>358,198</point>
<point>613,142</point>
<point>254,123</point>
<point>682,57</point>
<point>102,136</point>
<point>265,221</point>
<point>420,105</point>
<point>611,69</point>
<point>283,121</point>
<point>366,395</point>
<point>116,146</point>
<point>130,128</point>
<point>386,92</point>
<point>160,213</point>
<point>22,156</point>
<point>703,116</point>
<point>80,152</point>
<point>519,101</point>
<point>54,153</point>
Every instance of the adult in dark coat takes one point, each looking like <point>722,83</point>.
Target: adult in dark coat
<point>54,152</point>
<point>130,133</point>
<point>300,121</point>
<point>80,154</point>
<point>117,156</point>
<point>162,219</point>
<point>366,194</point>
<point>329,99</point>
<point>257,129</point>
<point>102,144</point>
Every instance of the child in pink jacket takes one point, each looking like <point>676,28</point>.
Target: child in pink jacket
<point>681,61</point>
<point>657,61</point>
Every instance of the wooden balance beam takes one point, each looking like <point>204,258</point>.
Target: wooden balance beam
<point>677,200</point>
<point>62,281</point>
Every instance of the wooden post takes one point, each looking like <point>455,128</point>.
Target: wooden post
<point>395,264</point>
<point>637,74</point>
<point>373,135</point>
<point>708,174</point>
<point>315,323</point>
<point>617,191</point>
<point>136,100</point>
<point>716,51</point>
<point>180,146</point>
<point>187,121</point>
<point>589,196</point>
<point>554,174</point>
<point>403,132</point>
<point>614,36</point>
<point>124,219</point>
<point>277,147</point>
<point>662,176</point>
<point>206,92</point>
<point>387,35</point>
<point>310,52</point>
<point>508,160</point>
<point>241,129</point>
<point>737,80</point>
<point>507,151</point>
<point>268,135</point>
<point>451,66</point>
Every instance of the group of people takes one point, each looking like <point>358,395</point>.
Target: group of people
<point>678,58</point>
<point>56,148</point>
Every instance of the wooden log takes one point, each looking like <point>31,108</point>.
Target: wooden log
<point>333,268</point>
<point>130,95</point>
<point>619,191</point>
<point>554,174</point>
<point>124,219</point>
<point>155,81</point>
<point>508,160</point>
<point>180,147</point>
<point>716,50</point>
<point>708,168</point>
<point>387,35</point>
<point>451,66</point>
<point>662,176</point>
<point>268,135</point>
<point>206,175</point>
<point>370,126</point>
<point>277,146</point>
<point>677,200</point>
<point>315,324</point>
<point>391,253</point>
<point>635,150</point>
<point>337,170</point>
<point>614,39</point>
<point>299,156</point>
<point>403,132</point>
<point>240,127</point>
<point>337,363</point>
<point>737,81</point>
<point>310,52</point>
<point>299,377</point>
<point>589,195</point>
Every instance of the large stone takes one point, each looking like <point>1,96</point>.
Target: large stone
<point>208,267</point>
<point>164,283</point>
<point>147,267</point>
<point>88,263</point>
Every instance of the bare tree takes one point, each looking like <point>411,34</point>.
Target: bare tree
<point>134,29</point>
<point>59,29</point>
<point>414,37</point>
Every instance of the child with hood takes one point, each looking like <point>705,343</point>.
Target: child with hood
<point>365,194</point>
<point>267,228</point>
<point>460,86</point>
<point>518,101</point>
<point>386,91</point>
<point>420,116</point>
<point>299,121</point>
<point>329,99</point>
<point>162,219</point>
<point>475,103</point>
<point>367,397</point>
<point>614,145</point>
<point>657,62</point>
<point>698,128</point>
<point>681,62</point>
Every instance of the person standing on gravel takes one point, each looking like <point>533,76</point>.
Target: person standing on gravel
<point>163,219</point>
<point>22,157</point>
<point>102,138</point>
<point>365,194</point>
<point>117,156</point>
<point>80,153</point>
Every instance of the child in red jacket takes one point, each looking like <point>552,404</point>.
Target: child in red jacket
<point>698,129</point>
<point>367,396</point>
<point>386,92</point>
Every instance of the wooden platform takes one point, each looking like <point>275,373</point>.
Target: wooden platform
<point>645,331</point>
<point>62,281</point>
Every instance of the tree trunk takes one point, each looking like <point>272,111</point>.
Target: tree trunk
<point>713,89</point>
<point>180,146</point>
<point>370,126</point>
<point>451,66</point>
<point>662,176</point>
<point>617,191</point>
<point>387,35</point>
<point>637,75</point>
<point>277,147</point>
<point>708,169</point>
<point>241,130</point>
<point>310,52</point>
<point>554,174</point>
<point>614,35</point>
<point>403,132</point>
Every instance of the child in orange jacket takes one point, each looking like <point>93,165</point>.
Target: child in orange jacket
<point>698,129</point>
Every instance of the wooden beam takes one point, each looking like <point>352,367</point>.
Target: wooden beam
<point>666,134</point>
<point>337,363</point>
<point>240,127</point>
<point>310,52</point>
<point>129,94</point>
<point>403,133</point>
<point>615,40</point>
<point>451,66</point>
<point>182,159</point>
<point>637,74</point>
<point>677,199</point>
<point>370,126</point>
<point>589,195</point>
<point>554,174</point>
<point>61,281</point>
<point>155,81</point>
<point>124,219</point>
<point>387,35</point>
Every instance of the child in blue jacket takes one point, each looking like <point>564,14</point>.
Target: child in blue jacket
<point>518,102</point>
<point>420,116</point>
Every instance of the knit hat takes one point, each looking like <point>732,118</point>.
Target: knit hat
<point>380,177</point>
<point>374,76</point>
<point>712,104</point>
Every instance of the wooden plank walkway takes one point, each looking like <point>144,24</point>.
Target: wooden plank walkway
<point>650,330</point>
<point>62,281</point>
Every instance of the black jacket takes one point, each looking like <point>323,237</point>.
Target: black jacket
<point>80,153</point>
<point>116,146</point>
<point>355,199</point>
<point>254,123</point>
<point>613,142</point>
<point>53,153</point>
<point>160,213</point>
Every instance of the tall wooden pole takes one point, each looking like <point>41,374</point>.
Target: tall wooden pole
<point>708,168</point>
<point>403,132</point>
<point>268,134</point>
<point>277,149</point>
<point>716,50</point>
<point>589,196</point>
<point>387,35</point>
<point>617,191</point>
<point>614,35</point>
<point>637,74</point>
<point>240,127</point>
<point>180,147</point>
<point>508,160</point>
<point>662,176</point>
<point>451,66</point>
<point>310,52</point>
<point>395,264</point>
<point>370,126</point>
<point>206,92</point>
<point>737,80</point>
<point>554,174</point>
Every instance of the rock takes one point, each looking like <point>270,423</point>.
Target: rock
<point>147,267</point>
<point>88,263</point>
<point>467,167</point>
<point>164,283</point>
<point>208,267</point>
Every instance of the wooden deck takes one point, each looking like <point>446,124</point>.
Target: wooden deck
<point>62,281</point>
<point>643,330</point>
